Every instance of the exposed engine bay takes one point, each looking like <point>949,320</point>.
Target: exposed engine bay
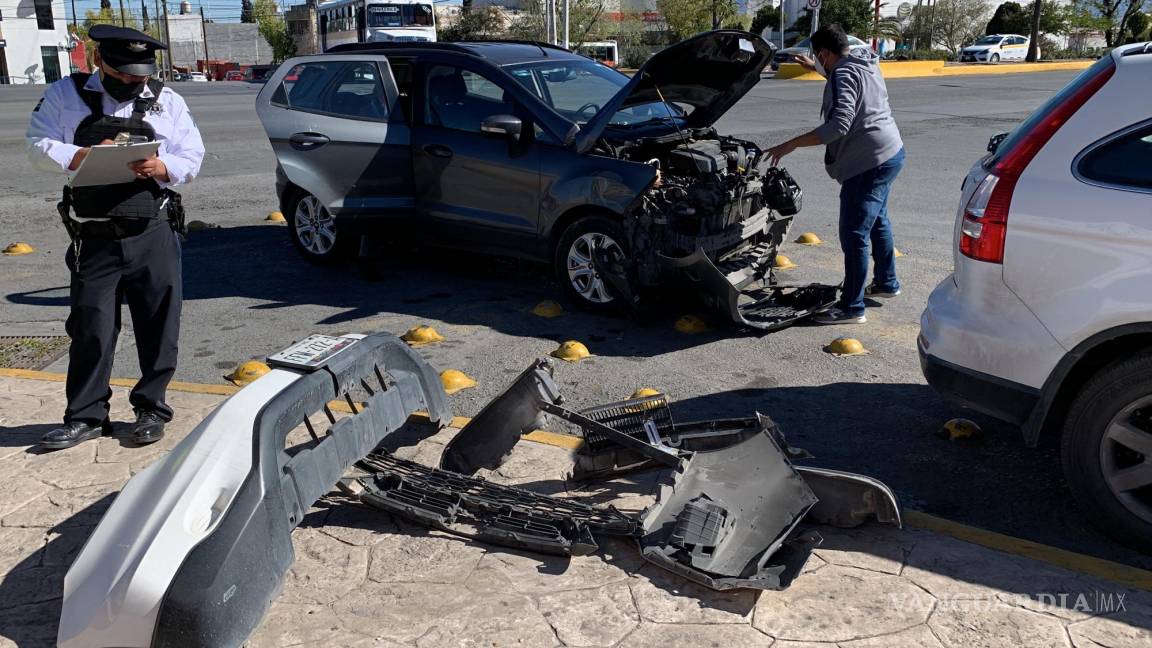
<point>716,215</point>
<point>709,194</point>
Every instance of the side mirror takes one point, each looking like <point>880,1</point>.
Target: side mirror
<point>503,125</point>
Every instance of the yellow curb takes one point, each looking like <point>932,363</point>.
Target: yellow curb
<point>915,69</point>
<point>1106,569</point>
<point>176,385</point>
<point>1125,575</point>
<point>567,441</point>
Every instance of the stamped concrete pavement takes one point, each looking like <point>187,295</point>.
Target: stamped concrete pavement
<point>362,578</point>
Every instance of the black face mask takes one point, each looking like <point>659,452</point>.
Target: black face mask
<point>120,90</point>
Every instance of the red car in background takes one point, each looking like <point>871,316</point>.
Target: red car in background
<point>234,75</point>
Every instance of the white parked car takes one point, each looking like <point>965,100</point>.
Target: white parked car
<point>994,48</point>
<point>1046,321</point>
<point>198,77</point>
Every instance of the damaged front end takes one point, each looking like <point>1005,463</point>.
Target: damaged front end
<point>717,211</point>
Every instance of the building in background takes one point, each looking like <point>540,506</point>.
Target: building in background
<point>302,22</point>
<point>238,43</point>
<point>34,42</point>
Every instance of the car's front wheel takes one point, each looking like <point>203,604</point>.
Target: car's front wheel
<point>1107,450</point>
<point>313,230</point>
<point>995,58</point>
<point>578,274</point>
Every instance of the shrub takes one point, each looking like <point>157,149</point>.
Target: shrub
<point>918,55</point>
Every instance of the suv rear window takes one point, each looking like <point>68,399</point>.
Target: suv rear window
<point>1123,161</point>
<point>1041,113</point>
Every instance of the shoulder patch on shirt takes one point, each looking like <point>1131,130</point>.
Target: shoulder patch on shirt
<point>38,104</point>
<point>156,108</point>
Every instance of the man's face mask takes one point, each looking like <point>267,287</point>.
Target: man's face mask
<point>121,90</point>
<point>820,69</point>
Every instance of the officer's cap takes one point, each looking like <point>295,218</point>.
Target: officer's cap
<point>126,50</point>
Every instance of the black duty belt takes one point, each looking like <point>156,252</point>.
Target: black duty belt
<point>114,229</point>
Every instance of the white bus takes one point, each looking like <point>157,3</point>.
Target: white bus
<point>375,21</point>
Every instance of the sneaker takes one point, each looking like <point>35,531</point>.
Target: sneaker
<point>837,316</point>
<point>874,291</point>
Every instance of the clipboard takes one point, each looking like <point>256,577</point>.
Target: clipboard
<point>107,164</point>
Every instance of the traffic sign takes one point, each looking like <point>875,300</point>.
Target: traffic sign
<point>813,4</point>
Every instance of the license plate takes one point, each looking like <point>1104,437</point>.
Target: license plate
<point>311,353</point>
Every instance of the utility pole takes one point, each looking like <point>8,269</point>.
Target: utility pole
<point>567,9</point>
<point>715,19</point>
<point>143,16</point>
<point>75,25</point>
<point>1034,42</point>
<point>122,13</point>
<point>204,35</point>
<point>876,28</point>
<point>167,38</point>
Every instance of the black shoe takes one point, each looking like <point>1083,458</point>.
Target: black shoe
<point>148,428</point>
<point>73,433</point>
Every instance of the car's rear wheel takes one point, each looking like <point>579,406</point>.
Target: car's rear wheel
<point>578,275</point>
<point>994,59</point>
<point>313,230</point>
<point>1107,450</point>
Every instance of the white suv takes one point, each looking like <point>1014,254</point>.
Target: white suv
<point>1046,321</point>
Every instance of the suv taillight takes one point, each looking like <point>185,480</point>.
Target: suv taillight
<point>985,225</point>
<point>986,220</point>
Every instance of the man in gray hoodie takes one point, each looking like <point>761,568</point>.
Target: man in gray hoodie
<point>864,153</point>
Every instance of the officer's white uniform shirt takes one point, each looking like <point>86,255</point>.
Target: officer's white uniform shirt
<point>55,119</point>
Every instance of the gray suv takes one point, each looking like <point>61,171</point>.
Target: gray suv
<point>532,151</point>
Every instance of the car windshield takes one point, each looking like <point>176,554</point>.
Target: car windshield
<point>579,89</point>
<point>399,15</point>
<point>989,40</point>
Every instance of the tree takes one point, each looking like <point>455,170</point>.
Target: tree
<point>1010,18</point>
<point>480,23</point>
<point>766,16</point>
<point>274,30</point>
<point>854,16</point>
<point>1115,15</point>
<point>956,22</point>
<point>1137,27</point>
<point>689,17</point>
<point>105,4</point>
<point>246,12</point>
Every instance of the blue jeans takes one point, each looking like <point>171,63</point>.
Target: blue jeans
<point>864,219</point>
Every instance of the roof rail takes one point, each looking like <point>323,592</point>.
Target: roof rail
<point>1138,49</point>
<point>368,47</point>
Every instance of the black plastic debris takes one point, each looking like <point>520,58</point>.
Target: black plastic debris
<point>488,438</point>
<point>478,509</point>
<point>727,514</point>
<point>650,419</point>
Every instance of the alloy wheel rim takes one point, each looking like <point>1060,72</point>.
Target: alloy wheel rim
<point>315,227</point>
<point>586,280</point>
<point>1126,457</point>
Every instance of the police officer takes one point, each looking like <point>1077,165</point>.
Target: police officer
<point>123,247</point>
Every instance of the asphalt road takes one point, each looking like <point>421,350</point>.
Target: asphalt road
<point>248,294</point>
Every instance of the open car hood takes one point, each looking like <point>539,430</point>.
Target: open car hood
<point>706,74</point>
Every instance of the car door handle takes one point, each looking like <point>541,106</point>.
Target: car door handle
<point>308,141</point>
<point>438,150</point>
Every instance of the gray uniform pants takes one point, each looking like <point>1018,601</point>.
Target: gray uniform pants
<point>143,270</point>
